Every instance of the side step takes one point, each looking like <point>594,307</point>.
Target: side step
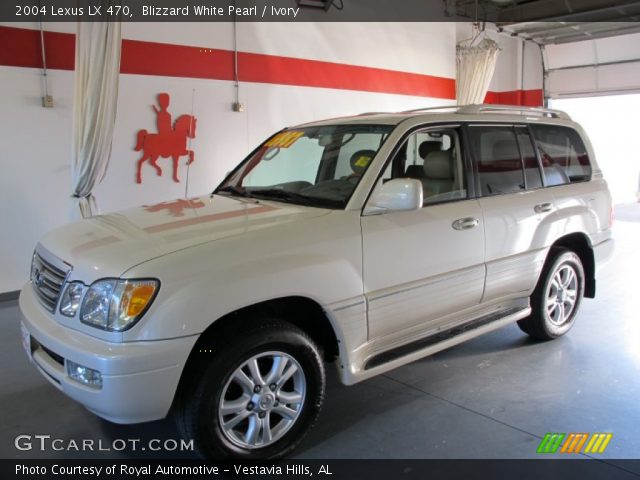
<point>448,338</point>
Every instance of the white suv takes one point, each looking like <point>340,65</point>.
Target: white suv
<point>367,242</point>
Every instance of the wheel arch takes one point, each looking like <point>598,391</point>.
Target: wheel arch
<point>580,244</point>
<point>302,312</point>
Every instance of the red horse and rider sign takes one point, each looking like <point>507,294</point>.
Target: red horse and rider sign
<point>170,141</point>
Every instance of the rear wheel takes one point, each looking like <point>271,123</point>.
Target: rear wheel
<point>258,396</point>
<point>557,297</point>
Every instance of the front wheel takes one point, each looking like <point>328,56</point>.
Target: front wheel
<point>557,297</point>
<point>258,396</point>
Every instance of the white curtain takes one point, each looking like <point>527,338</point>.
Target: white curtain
<point>94,115</point>
<point>475,67</point>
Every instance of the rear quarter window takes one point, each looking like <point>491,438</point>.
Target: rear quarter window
<point>563,155</point>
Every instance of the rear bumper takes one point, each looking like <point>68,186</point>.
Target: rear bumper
<point>139,379</point>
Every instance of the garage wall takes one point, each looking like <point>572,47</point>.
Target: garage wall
<point>337,69</point>
<point>600,72</point>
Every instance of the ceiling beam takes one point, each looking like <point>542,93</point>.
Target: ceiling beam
<point>556,10</point>
<point>564,32</point>
<point>590,36</point>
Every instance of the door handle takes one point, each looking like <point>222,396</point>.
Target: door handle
<point>465,223</point>
<point>543,208</point>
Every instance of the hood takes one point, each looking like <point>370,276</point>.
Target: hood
<point>109,245</point>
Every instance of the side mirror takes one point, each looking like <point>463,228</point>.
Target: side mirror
<point>399,194</point>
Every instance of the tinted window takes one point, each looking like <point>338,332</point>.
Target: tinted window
<point>563,154</point>
<point>498,158</point>
<point>529,159</point>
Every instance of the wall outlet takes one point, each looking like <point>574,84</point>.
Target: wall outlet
<point>237,107</point>
<point>47,101</point>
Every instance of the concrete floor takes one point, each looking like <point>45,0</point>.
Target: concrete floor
<point>493,397</point>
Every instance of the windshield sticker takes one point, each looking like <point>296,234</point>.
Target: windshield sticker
<point>362,161</point>
<point>284,139</point>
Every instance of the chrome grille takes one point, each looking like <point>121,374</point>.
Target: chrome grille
<point>47,280</point>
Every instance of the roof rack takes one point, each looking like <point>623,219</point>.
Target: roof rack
<point>543,112</point>
<point>432,109</point>
<point>513,109</point>
<point>364,114</point>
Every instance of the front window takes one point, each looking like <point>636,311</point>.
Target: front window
<point>316,166</point>
<point>432,156</point>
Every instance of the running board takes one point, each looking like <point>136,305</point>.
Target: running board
<point>444,339</point>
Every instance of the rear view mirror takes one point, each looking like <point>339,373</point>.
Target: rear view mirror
<point>325,140</point>
<point>399,194</point>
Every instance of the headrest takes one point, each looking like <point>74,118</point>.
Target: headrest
<point>361,160</point>
<point>438,166</point>
<point>504,150</point>
<point>427,147</point>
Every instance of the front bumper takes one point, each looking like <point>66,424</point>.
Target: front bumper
<point>139,379</point>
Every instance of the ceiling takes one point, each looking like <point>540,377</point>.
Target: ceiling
<point>554,21</point>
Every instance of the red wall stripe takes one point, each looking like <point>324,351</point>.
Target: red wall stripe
<point>527,98</point>
<point>21,48</point>
<point>163,59</point>
<point>168,60</point>
<point>313,73</point>
<point>150,58</point>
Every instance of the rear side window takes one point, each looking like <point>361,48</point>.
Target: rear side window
<point>498,158</point>
<point>529,159</point>
<point>562,153</point>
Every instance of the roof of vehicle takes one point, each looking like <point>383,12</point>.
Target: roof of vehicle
<point>499,113</point>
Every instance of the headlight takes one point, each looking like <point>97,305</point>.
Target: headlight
<point>71,298</point>
<point>116,305</point>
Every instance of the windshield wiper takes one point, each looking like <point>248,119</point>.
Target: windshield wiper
<point>234,190</point>
<point>279,194</point>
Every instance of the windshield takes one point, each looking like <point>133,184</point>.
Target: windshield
<point>316,166</point>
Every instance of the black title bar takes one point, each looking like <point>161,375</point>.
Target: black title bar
<point>304,11</point>
<point>541,469</point>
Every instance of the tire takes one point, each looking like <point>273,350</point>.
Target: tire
<point>270,375</point>
<point>557,297</point>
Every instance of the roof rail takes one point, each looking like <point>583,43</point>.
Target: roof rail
<point>515,109</point>
<point>431,109</point>
<point>483,108</point>
<point>364,114</point>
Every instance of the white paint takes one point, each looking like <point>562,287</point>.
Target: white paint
<point>36,151</point>
<point>408,47</point>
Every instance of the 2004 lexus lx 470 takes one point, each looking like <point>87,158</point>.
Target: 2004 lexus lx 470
<point>365,242</point>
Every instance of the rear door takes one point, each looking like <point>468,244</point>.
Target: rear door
<point>515,207</point>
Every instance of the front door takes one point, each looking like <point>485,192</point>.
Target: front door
<point>422,266</point>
